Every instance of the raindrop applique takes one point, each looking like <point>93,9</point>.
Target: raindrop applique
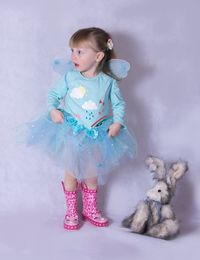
<point>89,115</point>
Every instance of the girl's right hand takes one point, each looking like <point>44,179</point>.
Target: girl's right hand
<point>56,116</point>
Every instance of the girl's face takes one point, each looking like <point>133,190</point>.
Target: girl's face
<point>85,59</point>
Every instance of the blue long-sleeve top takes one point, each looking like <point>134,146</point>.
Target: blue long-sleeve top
<point>88,99</point>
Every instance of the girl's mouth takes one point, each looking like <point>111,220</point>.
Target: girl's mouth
<point>76,65</point>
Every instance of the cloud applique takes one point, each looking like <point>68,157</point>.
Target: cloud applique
<point>78,93</point>
<point>89,105</point>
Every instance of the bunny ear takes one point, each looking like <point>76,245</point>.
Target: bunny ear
<point>176,172</point>
<point>119,67</point>
<point>62,66</point>
<point>157,167</point>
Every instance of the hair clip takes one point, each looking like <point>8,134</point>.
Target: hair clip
<point>110,44</point>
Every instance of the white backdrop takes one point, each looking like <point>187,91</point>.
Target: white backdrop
<point>161,41</point>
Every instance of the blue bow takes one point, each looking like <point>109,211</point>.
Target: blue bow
<point>77,128</point>
<point>92,133</point>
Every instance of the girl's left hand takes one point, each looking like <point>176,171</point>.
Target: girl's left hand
<point>114,129</point>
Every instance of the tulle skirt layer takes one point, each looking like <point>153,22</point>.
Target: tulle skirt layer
<point>83,152</point>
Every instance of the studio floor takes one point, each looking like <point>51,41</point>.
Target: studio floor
<point>37,235</point>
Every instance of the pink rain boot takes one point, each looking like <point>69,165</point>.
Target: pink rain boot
<point>90,211</point>
<point>71,221</point>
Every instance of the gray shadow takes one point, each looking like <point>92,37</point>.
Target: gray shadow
<point>184,206</point>
<point>136,119</point>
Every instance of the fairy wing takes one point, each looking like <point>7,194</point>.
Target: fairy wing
<point>62,66</point>
<point>119,67</point>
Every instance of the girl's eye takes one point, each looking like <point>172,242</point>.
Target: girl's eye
<point>159,190</point>
<point>77,51</point>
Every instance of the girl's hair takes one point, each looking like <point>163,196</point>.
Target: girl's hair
<point>98,40</point>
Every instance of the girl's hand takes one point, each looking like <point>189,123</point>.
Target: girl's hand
<point>114,129</point>
<point>56,116</point>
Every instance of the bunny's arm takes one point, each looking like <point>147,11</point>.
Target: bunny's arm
<point>167,212</point>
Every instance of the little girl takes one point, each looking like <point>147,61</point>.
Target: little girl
<point>81,134</point>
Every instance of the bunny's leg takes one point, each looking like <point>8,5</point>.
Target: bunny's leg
<point>127,221</point>
<point>140,218</point>
<point>165,230</point>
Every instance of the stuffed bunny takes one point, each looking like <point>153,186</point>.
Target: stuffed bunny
<point>154,216</point>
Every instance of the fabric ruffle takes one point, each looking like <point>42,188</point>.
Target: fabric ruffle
<point>84,152</point>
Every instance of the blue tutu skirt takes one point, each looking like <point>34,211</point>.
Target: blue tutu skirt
<point>83,152</point>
